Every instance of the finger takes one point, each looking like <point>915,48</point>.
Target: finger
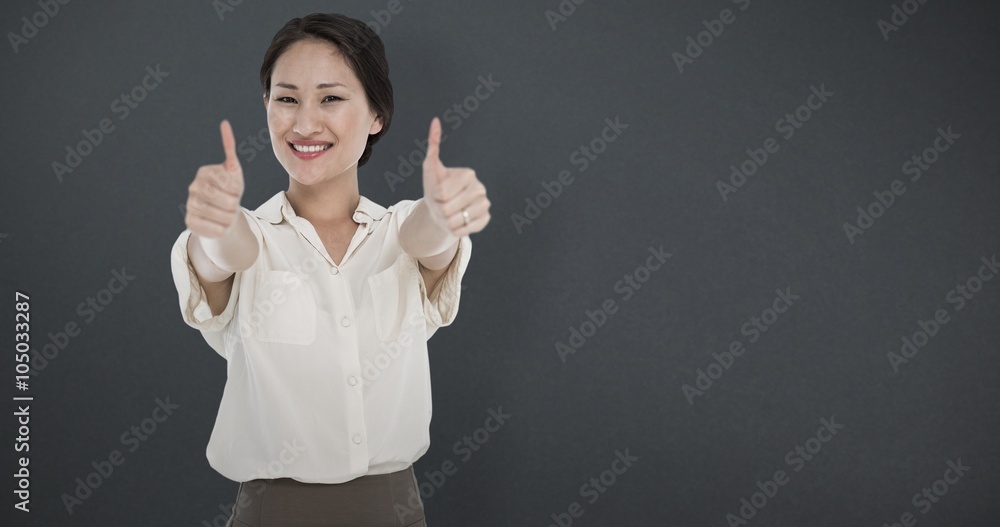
<point>433,170</point>
<point>229,145</point>
<point>205,227</point>
<point>461,200</point>
<point>456,183</point>
<point>199,209</point>
<point>478,208</point>
<point>219,181</point>
<point>475,225</point>
<point>223,202</point>
<point>434,143</point>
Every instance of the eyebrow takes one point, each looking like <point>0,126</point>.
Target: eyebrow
<point>318,86</point>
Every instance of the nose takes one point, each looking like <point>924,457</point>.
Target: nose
<point>306,122</point>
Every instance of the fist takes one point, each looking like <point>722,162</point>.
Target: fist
<point>214,196</point>
<point>449,191</point>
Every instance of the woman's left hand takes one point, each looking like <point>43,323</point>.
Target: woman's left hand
<point>449,191</point>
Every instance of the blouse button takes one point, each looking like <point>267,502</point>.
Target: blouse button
<point>345,322</point>
<point>352,380</point>
<point>334,270</point>
<point>357,439</point>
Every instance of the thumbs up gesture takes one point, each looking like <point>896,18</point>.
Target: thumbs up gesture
<point>456,198</point>
<point>214,196</point>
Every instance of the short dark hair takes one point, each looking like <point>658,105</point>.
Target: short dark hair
<point>360,46</point>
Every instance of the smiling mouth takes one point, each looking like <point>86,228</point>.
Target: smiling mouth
<point>310,149</point>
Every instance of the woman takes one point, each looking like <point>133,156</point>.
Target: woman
<point>322,300</point>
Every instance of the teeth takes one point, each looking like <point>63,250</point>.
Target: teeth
<point>316,148</point>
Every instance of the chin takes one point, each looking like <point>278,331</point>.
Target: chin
<point>305,179</point>
<point>313,174</point>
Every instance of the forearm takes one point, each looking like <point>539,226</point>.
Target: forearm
<point>215,259</point>
<point>422,238</point>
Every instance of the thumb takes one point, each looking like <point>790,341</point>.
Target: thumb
<point>433,144</point>
<point>229,145</point>
<point>433,169</point>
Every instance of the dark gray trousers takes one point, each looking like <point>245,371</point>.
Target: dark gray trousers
<point>382,500</point>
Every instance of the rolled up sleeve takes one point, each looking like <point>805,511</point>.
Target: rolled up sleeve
<point>192,297</point>
<point>441,308</point>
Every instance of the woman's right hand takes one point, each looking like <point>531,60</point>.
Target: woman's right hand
<point>213,204</point>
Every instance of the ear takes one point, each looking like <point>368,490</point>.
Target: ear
<point>376,126</point>
<point>265,101</point>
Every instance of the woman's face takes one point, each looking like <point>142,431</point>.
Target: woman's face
<point>317,104</point>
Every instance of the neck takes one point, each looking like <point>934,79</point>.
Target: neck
<point>328,203</point>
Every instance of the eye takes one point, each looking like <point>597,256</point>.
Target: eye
<point>284,99</point>
<point>328,97</point>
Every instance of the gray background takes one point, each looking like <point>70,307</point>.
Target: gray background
<point>655,185</point>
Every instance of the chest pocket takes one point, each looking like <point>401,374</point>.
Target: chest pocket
<point>284,309</point>
<point>388,290</point>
